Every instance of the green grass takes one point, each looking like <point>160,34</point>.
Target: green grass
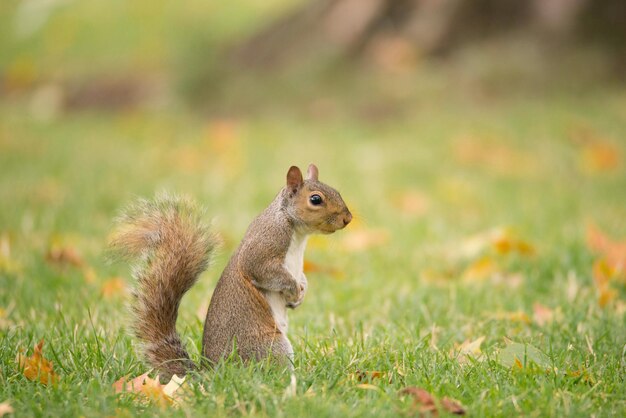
<point>475,159</point>
<point>63,181</point>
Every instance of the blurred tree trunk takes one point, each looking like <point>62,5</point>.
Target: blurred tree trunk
<point>349,27</point>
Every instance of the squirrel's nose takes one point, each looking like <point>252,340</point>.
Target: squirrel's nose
<point>347,219</point>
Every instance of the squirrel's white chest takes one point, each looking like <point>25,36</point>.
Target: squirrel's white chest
<point>294,259</point>
<point>294,263</point>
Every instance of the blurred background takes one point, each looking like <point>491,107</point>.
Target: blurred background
<point>436,119</point>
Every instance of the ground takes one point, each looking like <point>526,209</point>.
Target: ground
<point>477,214</point>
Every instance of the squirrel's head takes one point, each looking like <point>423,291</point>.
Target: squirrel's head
<point>313,204</point>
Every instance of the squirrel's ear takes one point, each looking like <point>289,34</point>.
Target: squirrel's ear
<point>294,178</point>
<point>312,173</point>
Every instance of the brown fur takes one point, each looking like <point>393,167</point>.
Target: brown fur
<point>176,248</point>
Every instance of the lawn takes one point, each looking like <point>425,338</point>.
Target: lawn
<point>482,264</point>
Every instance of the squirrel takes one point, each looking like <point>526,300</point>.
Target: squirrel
<point>264,277</point>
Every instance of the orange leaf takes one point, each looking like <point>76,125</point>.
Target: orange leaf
<point>63,256</point>
<point>613,251</point>
<point>600,156</point>
<point>151,389</point>
<point>421,398</point>
<point>5,408</point>
<point>311,267</point>
<point>606,296</point>
<point>480,270</point>
<point>36,367</point>
<point>453,406</point>
<point>115,286</point>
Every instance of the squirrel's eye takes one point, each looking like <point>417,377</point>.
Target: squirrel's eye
<point>315,200</point>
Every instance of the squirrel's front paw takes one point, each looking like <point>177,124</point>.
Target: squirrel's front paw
<point>298,302</point>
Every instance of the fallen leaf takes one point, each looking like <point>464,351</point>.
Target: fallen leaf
<point>5,408</point>
<point>603,273</point>
<point>542,314</point>
<point>468,349</point>
<point>522,355</point>
<point>151,389</point>
<point>36,367</point>
<point>600,157</point>
<point>364,239</point>
<point>614,252</point>
<point>64,256</point>
<point>311,267</point>
<point>501,240</point>
<point>363,375</point>
<point>423,401</point>
<point>114,286</point>
<point>174,384</point>
<point>453,406</point>
<point>480,270</point>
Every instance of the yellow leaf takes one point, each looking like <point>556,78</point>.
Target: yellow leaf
<point>469,349</point>
<point>480,270</point>
<point>36,367</point>
<point>64,256</point>
<point>612,252</point>
<point>114,286</point>
<point>311,267</point>
<point>600,156</point>
<point>606,296</point>
<point>151,389</point>
<point>5,408</point>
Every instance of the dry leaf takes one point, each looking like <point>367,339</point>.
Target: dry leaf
<point>500,240</point>
<point>423,401</point>
<point>114,286</point>
<point>614,252</point>
<point>542,314</point>
<point>5,408</point>
<point>453,406</point>
<point>600,156</point>
<point>152,389</point>
<point>364,239</point>
<point>426,404</point>
<point>481,269</point>
<point>36,367</point>
<point>468,349</point>
<point>311,267</point>
<point>64,256</point>
<point>365,376</point>
<point>602,275</point>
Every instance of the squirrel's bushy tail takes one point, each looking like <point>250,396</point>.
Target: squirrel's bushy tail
<point>172,247</point>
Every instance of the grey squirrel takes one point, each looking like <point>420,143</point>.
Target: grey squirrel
<point>263,278</point>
